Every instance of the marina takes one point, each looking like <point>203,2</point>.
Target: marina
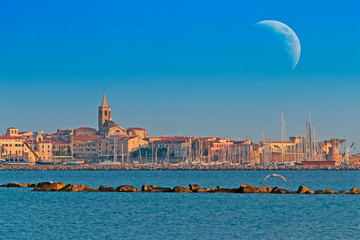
<point>115,166</point>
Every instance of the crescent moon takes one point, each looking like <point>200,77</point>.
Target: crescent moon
<point>287,35</point>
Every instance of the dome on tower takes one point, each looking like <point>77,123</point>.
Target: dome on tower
<point>109,124</point>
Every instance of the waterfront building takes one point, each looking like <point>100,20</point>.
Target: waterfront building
<point>61,147</point>
<point>87,131</point>
<point>177,146</point>
<point>11,146</point>
<point>42,147</point>
<point>85,146</point>
<point>12,132</point>
<point>26,135</point>
<point>136,131</point>
<point>120,145</point>
<point>220,146</point>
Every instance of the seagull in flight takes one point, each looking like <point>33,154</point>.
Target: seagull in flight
<point>274,175</point>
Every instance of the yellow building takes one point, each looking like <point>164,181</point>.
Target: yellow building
<point>12,132</point>
<point>42,148</point>
<point>11,146</point>
<point>85,147</point>
<point>135,131</point>
<point>122,145</point>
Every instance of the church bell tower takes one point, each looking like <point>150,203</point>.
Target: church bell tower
<point>104,113</point>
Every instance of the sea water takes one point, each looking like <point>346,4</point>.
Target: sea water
<point>112,215</point>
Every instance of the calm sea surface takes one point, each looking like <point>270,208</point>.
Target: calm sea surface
<point>60,215</point>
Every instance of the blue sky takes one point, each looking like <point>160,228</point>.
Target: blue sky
<point>175,67</point>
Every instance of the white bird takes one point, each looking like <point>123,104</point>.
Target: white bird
<point>274,175</point>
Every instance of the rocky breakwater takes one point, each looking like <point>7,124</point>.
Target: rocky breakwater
<point>193,188</point>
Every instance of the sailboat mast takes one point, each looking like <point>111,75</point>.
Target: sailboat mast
<point>122,153</point>
<point>72,145</point>
<point>310,138</point>
<point>283,136</point>
<point>115,150</point>
<point>190,148</point>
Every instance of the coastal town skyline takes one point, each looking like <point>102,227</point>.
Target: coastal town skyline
<point>220,77</point>
<point>185,134</point>
<point>111,143</point>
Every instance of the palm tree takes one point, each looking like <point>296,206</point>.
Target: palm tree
<point>2,150</point>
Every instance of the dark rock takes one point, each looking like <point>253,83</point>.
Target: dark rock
<point>325,192</point>
<point>146,188</point>
<point>76,188</point>
<point>160,189</point>
<point>244,188</point>
<point>228,190</point>
<point>104,189</point>
<point>126,188</point>
<point>354,191</point>
<point>265,189</point>
<point>304,190</point>
<point>278,190</point>
<point>14,184</point>
<point>154,188</point>
<point>205,190</point>
<point>48,186</point>
<point>180,189</point>
<point>215,190</point>
<point>195,187</point>
<point>343,192</point>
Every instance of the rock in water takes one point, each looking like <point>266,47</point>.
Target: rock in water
<point>343,192</point>
<point>180,189</point>
<point>354,191</point>
<point>104,189</point>
<point>154,188</point>
<point>144,188</point>
<point>304,190</point>
<point>205,190</point>
<point>278,190</point>
<point>195,187</point>
<point>76,188</point>
<point>244,188</point>
<point>48,186</point>
<point>14,184</point>
<point>126,188</point>
<point>228,190</point>
<point>325,192</point>
<point>265,189</point>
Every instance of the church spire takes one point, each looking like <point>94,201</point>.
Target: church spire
<point>104,101</point>
<point>104,113</point>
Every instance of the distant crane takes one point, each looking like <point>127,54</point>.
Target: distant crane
<point>33,152</point>
<point>346,156</point>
